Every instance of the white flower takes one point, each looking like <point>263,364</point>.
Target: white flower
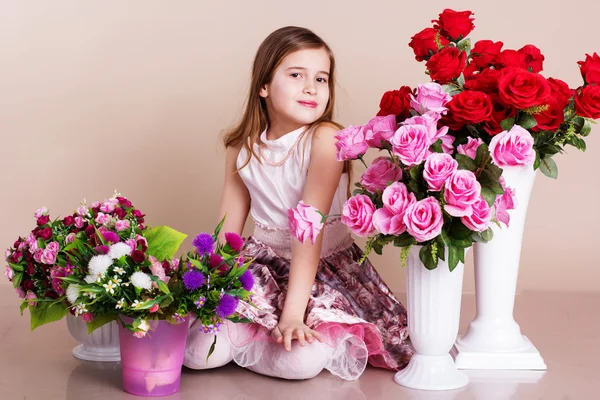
<point>73,292</point>
<point>91,295</point>
<point>141,280</point>
<point>116,281</point>
<point>119,270</point>
<point>120,304</point>
<point>80,309</point>
<point>109,287</point>
<point>135,304</point>
<point>99,264</point>
<point>90,279</point>
<point>119,250</point>
<point>126,284</point>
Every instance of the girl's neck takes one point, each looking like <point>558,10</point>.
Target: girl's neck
<point>280,129</point>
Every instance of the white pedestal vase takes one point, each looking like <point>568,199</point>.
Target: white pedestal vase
<point>433,308</point>
<point>101,345</point>
<point>493,339</point>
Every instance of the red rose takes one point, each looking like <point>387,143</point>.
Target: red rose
<point>486,81</point>
<point>138,256</point>
<point>166,266</point>
<point>143,245</point>
<point>587,102</point>
<point>534,59</point>
<point>90,230</point>
<point>69,220</point>
<point>485,53</point>
<point>396,102</point>
<point>470,107</point>
<point>43,220</point>
<point>30,269</point>
<point>590,68</point>
<point>28,285</point>
<point>455,25</point>
<point>512,58</point>
<point>51,294</point>
<point>121,213</point>
<point>17,243</point>
<point>550,119</point>
<point>446,65</point>
<point>16,256</point>
<point>45,233</point>
<point>124,202</point>
<point>500,112</point>
<point>522,89</point>
<point>425,43</point>
<point>560,91</point>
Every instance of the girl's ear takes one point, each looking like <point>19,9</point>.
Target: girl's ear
<point>264,91</point>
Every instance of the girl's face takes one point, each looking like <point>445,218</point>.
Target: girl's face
<point>299,91</point>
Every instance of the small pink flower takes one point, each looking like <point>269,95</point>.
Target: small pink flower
<point>389,220</point>
<point>31,296</point>
<point>122,225</point>
<point>82,211</point>
<point>351,143</point>
<point>70,238</point>
<point>79,222</point>
<point>20,292</point>
<point>381,172</point>
<point>7,254</point>
<point>430,120</point>
<point>102,218</point>
<point>37,256</point>
<point>48,257</point>
<point>512,148</point>
<point>139,237</point>
<point>234,241</point>
<point>480,219</point>
<point>53,247</point>
<point>33,248</point>
<point>109,205</point>
<point>505,202</point>
<point>131,243</point>
<point>95,204</point>
<point>461,191</point>
<point>438,168</point>
<point>22,246</point>
<point>139,335</point>
<point>87,317</point>
<point>305,222</point>
<point>154,308</point>
<point>357,214</point>
<point>175,264</point>
<point>411,143</point>
<point>424,219</point>
<point>469,149</point>
<point>158,270</point>
<point>8,273</point>
<point>40,212</point>
<point>447,144</point>
<point>380,129</point>
<point>430,97</point>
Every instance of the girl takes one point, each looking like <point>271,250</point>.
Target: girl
<point>316,307</point>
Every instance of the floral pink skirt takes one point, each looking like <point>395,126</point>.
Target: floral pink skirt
<point>353,309</point>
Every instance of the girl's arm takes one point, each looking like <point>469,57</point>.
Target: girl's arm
<point>235,200</point>
<point>324,173</point>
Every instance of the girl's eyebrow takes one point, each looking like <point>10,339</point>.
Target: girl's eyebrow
<point>304,69</point>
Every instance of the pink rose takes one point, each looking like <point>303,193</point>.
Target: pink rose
<point>87,317</point>
<point>30,240</point>
<point>20,292</point>
<point>447,144</point>
<point>379,174</point>
<point>430,97</point>
<point>424,219</point>
<point>480,219</point>
<point>40,212</point>
<point>469,149</point>
<point>158,270</point>
<point>357,214</point>
<point>351,143</point>
<point>47,257</point>
<point>175,264</point>
<point>53,247</point>
<point>109,205</point>
<point>430,120</point>
<point>122,225</point>
<point>82,211</point>
<point>79,222</point>
<point>70,238</point>
<point>33,247</point>
<point>8,273</point>
<point>389,220</point>
<point>131,243</point>
<point>95,204</point>
<point>7,254</point>
<point>438,168</point>
<point>411,143</point>
<point>379,129</point>
<point>154,308</point>
<point>37,256</point>
<point>102,218</point>
<point>461,192</point>
<point>305,222</point>
<point>512,148</point>
<point>504,203</point>
<point>31,296</point>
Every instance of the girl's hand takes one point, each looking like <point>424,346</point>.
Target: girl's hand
<point>286,331</point>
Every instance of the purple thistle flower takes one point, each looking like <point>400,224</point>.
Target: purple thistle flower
<point>227,306</point>
<point>234,241</point>
<point>193,279</point>
<point>247,280</point>
<point>204,243</point>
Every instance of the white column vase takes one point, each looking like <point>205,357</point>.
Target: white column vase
<point>101,345</point>
<point>433,307</point>
<point>493,339</point>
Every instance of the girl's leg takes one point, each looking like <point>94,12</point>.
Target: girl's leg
<point>198,345</point>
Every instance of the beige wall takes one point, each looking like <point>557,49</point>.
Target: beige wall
<point>98,95</point>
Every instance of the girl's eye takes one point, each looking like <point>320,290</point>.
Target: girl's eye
<point>321,80</point>
<point>295,75</point>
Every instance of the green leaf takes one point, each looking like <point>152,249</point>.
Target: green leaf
<point>527,121</point>
<point>462,243</point>
<point>163,242</point>
<point>461,80</point>
<point>100,320</point>
<point>586,129</point>
<point>488,195</point>
<point>24,305</point>
<point>16,267</point>
<point>437,146</point>
<point>536,163</point>
<point>548,167</point>
<point>427,258</point>
<point>507,124</point>
<point>163,287</point>
<point>464,45</point>
<point>458,230</point>
<point>212,348</point>
<point>220,226</point>
<point>46,312</point>
<point>17,278</point>
<point>461,255</point>
<point>485,236</point>
<point>445,238</point>
<point>483,155</point>
<point>452,257</point>
<point>466,162</point>
<point>404,240</point>
<point>489,181</point>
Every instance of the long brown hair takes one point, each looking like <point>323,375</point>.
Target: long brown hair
<point>269,56</point>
